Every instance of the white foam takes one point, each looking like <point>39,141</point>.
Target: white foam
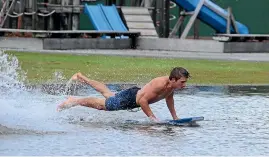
<point>22,108</point>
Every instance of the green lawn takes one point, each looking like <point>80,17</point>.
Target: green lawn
<point>42,67</point>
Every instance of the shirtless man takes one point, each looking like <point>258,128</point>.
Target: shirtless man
<point>157,89</point>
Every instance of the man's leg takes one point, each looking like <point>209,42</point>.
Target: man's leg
<point>96,103</point>
<point>98,86</point>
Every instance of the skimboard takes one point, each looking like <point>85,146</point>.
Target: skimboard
<point>179,122</point>
<point>184,121</point>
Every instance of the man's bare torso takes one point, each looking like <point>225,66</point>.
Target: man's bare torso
<point>156,90</point>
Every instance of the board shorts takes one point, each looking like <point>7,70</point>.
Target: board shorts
<point>123,100</point>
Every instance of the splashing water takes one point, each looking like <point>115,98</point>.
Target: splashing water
<point>11,72</point>
<point>23,108</point>
<point>68,86</point>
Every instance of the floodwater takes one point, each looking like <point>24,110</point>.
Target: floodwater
<point>236,122</point>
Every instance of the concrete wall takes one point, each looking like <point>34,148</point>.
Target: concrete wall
<point>246,47</point>
<point>163,44</point>
<point>21,43</point>
<point>180,45</point>
<point>73,43</point>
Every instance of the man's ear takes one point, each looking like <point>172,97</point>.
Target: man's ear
<point>173,80</point>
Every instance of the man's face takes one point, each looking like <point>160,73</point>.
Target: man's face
<point>180,83</point>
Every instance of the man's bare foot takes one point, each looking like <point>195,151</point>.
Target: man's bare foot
<point>70,102</point>
<point>75,76</point>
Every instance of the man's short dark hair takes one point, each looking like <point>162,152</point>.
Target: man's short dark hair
<point>179,72</point>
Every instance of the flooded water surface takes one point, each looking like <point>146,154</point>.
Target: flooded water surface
<point>236,123</point>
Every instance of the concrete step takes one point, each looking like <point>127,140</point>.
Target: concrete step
<point>134,11</point>
<point>140,25</point>
<point>138,18</point>
<point>146,32</point>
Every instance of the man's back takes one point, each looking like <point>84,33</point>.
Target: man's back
<point>155,90</point>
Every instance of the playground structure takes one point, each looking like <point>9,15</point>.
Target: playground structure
<point>60,18</point>
<point>211,14</point>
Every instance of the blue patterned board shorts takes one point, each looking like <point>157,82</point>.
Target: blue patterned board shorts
<point>123,100</point>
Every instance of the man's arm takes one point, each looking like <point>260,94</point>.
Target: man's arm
<point>170,104</point>
<point>146,109</point>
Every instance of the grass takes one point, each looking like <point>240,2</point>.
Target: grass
<point>42,67</point>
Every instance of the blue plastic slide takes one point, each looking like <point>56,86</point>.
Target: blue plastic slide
<point>97,17</point>
<point>210,17</point>
<point>114,18</point>
<point>105,18</point>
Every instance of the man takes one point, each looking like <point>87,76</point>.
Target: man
<point>157,89</point>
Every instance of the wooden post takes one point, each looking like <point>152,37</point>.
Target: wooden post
<point>148,3</point>
<point>177,26</point>
<point>228,28</point>
<point>180,10</point>
<point>159,6</point>
<point>231,20</point>
<point>136,3</point>
<point>192,19</point>
<point>65,22</point>
<point>7,19</point>
<point>108,2</point>
<point>75,16</point>
<point>234,23</point>
<point>14,8</point>
<point>34,16</point>
<point>51,19</point>
<point>196,29</point>
<point>20,19</point>
<point>121,2</point>
<point>28,18</point>
<point>12,21</point>
<point>166,18</point>
<point>154,13</point>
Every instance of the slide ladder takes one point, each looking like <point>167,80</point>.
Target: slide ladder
<point>139,19</point>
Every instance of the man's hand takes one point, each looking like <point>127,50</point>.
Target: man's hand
<point>154,119</point>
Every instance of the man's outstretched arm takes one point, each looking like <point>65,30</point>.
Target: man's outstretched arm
<point>171,106</point>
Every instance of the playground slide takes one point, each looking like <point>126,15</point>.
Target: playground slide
<point>97,17</point>
<point>105,18</point>
<point>210,17</point>
<point>114,18</point>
